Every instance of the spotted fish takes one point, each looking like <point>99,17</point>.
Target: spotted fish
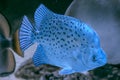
<point>62,41</point>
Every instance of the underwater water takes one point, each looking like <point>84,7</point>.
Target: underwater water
<point>14,11</point>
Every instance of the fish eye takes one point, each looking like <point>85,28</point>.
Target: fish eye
<point>94,59</point>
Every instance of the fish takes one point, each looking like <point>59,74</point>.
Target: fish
<point>7,58</point>
<point>62,41</point>
<point>7,62</point>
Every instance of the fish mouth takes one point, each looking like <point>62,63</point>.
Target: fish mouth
<point>101,61</point>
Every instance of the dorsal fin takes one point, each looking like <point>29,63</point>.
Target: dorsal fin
<point>40,13</point>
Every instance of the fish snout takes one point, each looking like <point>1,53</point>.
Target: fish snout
<point>102,58</point>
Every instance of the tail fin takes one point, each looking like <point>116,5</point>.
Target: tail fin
<point>22,38</point>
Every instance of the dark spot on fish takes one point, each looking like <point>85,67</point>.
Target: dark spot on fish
<point>61,45</point>
<point>83,39</point>
<point>56,23</point>
<point>66,24</point>
<point>49,23</point>
<point>61,28</point>
<point>76,45</point>
<point>45,23</point>
<point>75,39</point>
<point>70,30</point>
<point>53,44</point>
<point>83,27</point>
<point>65,44</point>
<point>68,42</point>
<point>54,53</point>
<point>66,28</point>
<point>84,52</point>
<point>71,22</point>
<point>75,32</point>
<point>37,37</point>
<point>69,46</point>
<point>73,45</point>
<point>53,21</point>
<point>53,33</point>
<point>78,35</point>
<point>81,44</point>
<point>75,27</point>
<point>58,41</point>
<point>57,38</point>
<point>71,40</point>
<point>71,34</point>
<point>83,34</point>
<point>92,46</point>
<point>53,39</point>
<point>80,29</point>
<point>66,48</point>
<point>62,39</point>
<point>50,32</point>
<point>48,35</point>
<point>64,33</point>
<point>47,39</point>
<point>58,33</point>
<point>49,28</point>
<point>68,36</point>
<point>41,37</point>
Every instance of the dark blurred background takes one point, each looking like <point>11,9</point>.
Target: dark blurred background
<point>14,10</point>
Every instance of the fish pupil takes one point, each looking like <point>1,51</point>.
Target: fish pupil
<point>94,58</point>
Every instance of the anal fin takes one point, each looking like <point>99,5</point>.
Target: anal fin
<point>39,56</point>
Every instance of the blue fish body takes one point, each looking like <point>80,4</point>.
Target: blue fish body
<point>62,41</point>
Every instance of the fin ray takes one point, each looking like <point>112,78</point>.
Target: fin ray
<point>39,56</point>
<point>41,13</point>
<point>25,34</point>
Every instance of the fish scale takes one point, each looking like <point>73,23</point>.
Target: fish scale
<point>63,41</point>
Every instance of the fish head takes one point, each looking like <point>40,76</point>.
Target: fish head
<point>93,55</point>
<point>94,58</point>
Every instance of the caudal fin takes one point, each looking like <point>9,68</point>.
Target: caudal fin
<point>22,37</point>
